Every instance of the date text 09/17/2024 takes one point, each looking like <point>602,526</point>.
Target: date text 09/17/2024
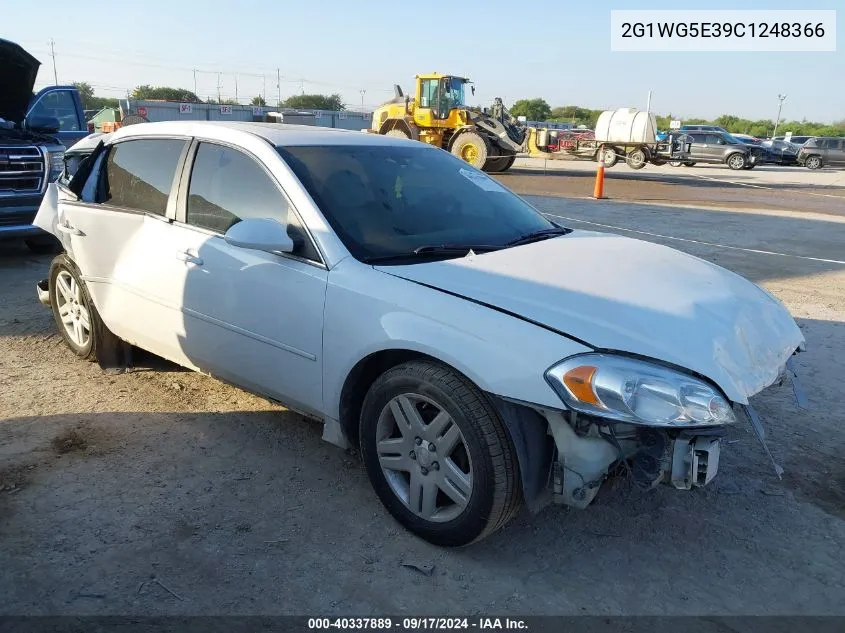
<point>418,623</point>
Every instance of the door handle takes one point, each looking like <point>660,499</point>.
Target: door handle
<point>185,256</point>
<point>70,230</point>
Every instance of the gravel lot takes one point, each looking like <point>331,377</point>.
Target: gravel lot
<point>165,492</point>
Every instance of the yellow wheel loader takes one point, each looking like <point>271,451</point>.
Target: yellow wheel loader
<point>438,115</point>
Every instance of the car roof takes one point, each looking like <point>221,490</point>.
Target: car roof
<point>277,134</point>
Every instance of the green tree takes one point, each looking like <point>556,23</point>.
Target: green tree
<point>165,93</point>
<point>532,109</point>
<point>258,101</point>
<point>314,102</point>
<point>89,100</point>
<point>86,93</point>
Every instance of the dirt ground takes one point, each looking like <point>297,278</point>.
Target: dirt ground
<point>166,492</point>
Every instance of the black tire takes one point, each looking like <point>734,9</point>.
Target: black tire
<point>499,164</point>
<point>636,158</point>
<point>472,148</point>
<point>814,162</point>
<point>397,133</point>
<point>736,161</point>
<point>610,155</point>
<point>496,494</point>
<point>47,245</point>
<point>88,351</point>
<point>676,163</point>
<point>689,163</point>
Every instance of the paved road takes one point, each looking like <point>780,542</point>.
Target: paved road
<point>767,187</point>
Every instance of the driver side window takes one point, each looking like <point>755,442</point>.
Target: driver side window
<point>58,104</point>
<point>227,186</point>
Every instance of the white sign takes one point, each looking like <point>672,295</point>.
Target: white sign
<point>341,115</point>
<point>257,110</point>
<point>225,109</point>
<point>185,108</point>
<point>522,119</point>
<point>788,135</point>
<point>674,125</point>
<point>318,115</point>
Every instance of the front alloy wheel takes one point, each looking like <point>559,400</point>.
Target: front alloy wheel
<point>424,458</point>
<point>438,455</point>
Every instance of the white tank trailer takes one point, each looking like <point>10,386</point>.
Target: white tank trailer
<point>629,134</point>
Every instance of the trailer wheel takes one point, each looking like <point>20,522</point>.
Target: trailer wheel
<point>472,148</point>
<point>636,159</point>
<point>610,156</point>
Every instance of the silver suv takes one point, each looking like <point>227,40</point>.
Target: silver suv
<point>821,151</point>
<point>719,147</point>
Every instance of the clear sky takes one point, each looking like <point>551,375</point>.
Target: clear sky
<point>558,50</point>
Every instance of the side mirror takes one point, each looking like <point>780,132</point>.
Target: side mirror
<point>260,234</point>
<point>43,124</point>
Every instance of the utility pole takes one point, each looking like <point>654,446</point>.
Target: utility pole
<point>264,89</point>
<point>236,88</point>
<point>218,88</point>
<point>648,103</point>
<point>53,55</point>
<point>363,92</point>
<point>195,81</point>
<point>278,87</point>
<point>781,99</point>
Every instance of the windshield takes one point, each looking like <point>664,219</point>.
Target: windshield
<point>386,200</point>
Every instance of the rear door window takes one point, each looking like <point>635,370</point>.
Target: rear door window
<point>139,174</point>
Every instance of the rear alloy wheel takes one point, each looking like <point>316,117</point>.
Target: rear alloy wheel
<point>636,159</point>
<point>438,455</point>
<point>813,162</point>
<point>73,310</point>
<point>737,161</point>
<point>472,148</point>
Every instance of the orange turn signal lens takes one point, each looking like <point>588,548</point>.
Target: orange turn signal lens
<point>579,381</point>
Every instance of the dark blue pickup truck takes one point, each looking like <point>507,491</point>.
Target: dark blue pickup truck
<point>35,130</point>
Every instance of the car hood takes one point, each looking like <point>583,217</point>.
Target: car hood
<point>18,70</point>
<point>623,294</point>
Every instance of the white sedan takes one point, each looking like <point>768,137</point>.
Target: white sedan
<point>481,357</point>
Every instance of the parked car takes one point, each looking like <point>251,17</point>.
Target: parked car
<point>717,147</point>
<point>747,138</point>
<point>821,151</point>
<point>702,128</point>
<point>418,308</point>
<point>780,152</point>
<point>797,140</point>
<point>34,133</point>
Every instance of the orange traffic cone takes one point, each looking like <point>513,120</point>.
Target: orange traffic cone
<point>598,189</point>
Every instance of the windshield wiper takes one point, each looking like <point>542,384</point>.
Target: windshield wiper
<point>536,236</point>
<point>428,250</point>
<point>455,248</point>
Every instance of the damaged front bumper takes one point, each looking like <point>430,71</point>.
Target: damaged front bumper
<point>587,449</point>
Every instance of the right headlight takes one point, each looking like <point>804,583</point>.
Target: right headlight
<point>637,392</point>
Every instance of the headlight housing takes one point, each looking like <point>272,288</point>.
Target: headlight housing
<point>637,392</point>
